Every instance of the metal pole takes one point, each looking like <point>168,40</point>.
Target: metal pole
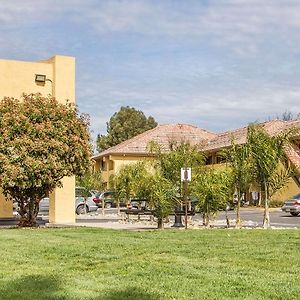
<point>185,202</point>
<point>185,195</point>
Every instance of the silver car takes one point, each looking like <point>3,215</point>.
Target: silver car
<point>81,206</point>
<point>292,206</point>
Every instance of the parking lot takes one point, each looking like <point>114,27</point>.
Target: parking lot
<point>251,217</point>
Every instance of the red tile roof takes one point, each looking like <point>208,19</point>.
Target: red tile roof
<point>223,140</point>
<point>163,135</point>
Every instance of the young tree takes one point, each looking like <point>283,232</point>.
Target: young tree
<point>41,141</point>
<point>239,159</point>
<point>162,197</point>
<point>271,168</point>
<point>168,164</point>
<point>179,155</point>
<point>212,188</point>
<point>123,125</point>
<point>128,182</point>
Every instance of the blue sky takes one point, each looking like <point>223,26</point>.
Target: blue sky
<point>216,64</point>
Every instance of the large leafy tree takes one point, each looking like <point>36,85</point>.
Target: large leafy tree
<point>271,167</point>
<point>41,141</point>
<point>123,125</point>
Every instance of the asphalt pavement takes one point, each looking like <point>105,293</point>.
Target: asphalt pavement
<point>251,217</point>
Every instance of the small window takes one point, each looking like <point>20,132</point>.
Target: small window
<point>103,166</point>
<point>209,160</point>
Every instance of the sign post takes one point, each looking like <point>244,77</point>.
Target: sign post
<point>186,176</point>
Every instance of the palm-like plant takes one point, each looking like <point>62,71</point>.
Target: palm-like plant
<point>125,181</point>
<point>239,159</point>
<point>212,188</point>
<point>179,155</point>
<point>272,169</point>
<point>161,194</point>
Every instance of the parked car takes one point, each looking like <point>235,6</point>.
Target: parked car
<point>86,204</point>
<point>292,206</point>
<point>108,198</point>
<point>80,205</point>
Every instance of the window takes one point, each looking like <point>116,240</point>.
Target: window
<point>103,166</point>
<point>209,160</point>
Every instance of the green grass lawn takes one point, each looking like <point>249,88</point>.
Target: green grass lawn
<point>81,263</point>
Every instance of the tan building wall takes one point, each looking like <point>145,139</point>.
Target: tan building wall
<point>111,164</point>
<point>18,77</point>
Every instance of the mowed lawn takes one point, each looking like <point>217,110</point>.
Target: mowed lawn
<point>82,263</point>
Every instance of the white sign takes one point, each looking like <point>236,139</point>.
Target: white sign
<point>186,174</point>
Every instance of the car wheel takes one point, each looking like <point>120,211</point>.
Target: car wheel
<point>81,209</point>
<point>294,214</point>
<point>108,205</point>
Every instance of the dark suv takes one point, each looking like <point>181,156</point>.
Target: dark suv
<point>108,198</point>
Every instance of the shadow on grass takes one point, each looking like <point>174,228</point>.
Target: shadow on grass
<point>133,293</point>
<point>31,287</point>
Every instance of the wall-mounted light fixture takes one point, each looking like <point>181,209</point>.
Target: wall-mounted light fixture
<point>40,78</point>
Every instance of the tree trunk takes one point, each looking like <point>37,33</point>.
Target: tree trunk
<point>160,223</point>
<point>266,221</point>
<point>226,217</point>
<point>118,207</point>
<point>103,206</point>
<point>28,214</point>
<point>205,219</point>
<point>259,198</point>
<point>238,213</point>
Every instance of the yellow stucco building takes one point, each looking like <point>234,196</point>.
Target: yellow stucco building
<point>111,160</point>
<point>55,76</point>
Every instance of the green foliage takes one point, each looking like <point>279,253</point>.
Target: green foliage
<point>139,181</point>
<point>41,141</point>
<point>123,125</point>
<point>168,166</point>
<point>162,196</point>
<point>271,167</point>
<point>127,181</point>
<point>90,180</point>
<point>178,156</point>
<point>276,202</point>
<point>241,164</point>
<point>239,159</point>
<point>213,189</point>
